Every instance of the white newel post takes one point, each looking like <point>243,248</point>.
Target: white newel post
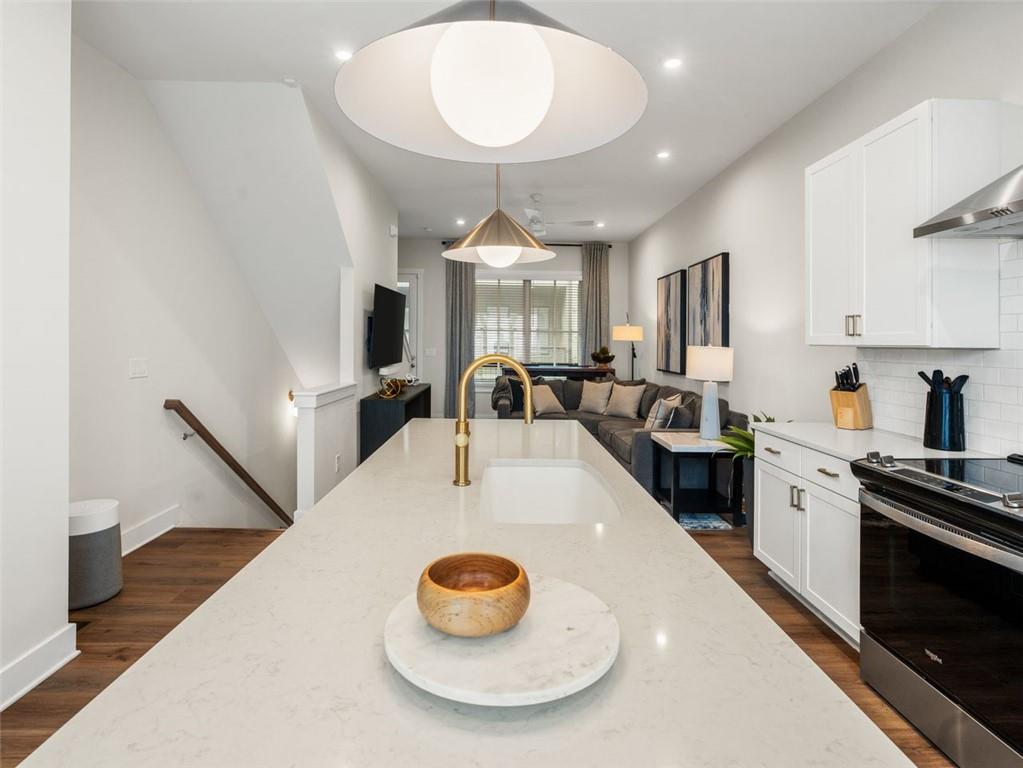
<point>325,441</point>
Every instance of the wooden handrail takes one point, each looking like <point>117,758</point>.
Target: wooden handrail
<point>200,429</point>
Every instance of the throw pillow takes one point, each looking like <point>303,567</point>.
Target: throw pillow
<point>516,391</point>
<point>660,412</point>
<point>545,401</point>
<point>595,396</point>
<point>681,418</point>
<point>624,400</point>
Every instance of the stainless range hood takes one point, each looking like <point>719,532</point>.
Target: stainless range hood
<point>994,211</point>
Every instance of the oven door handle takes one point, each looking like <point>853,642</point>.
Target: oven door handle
<point>941,531</point>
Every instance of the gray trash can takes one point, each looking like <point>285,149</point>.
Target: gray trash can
<point>94,552</point>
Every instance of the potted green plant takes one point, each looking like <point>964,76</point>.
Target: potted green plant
<point>741,441</point>
<point>602,357</point>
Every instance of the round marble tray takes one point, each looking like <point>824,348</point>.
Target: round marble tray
<point>566,641</point>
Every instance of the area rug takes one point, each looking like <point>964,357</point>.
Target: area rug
<point>703,521</point>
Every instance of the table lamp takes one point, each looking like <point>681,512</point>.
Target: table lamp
<point>631,334</point>
<point>709,365</point>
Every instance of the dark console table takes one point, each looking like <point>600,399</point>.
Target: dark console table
<point>380,418</point>
<point>581,372</point>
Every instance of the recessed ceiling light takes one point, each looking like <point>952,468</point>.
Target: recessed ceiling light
<point>460,222</point>
<point>343,55</point>
<point>663,154</point>
<point>290,82</point>
<point>672,63</point>
<point>600,224</point>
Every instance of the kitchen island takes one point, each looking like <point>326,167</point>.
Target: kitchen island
<point>285,665</point>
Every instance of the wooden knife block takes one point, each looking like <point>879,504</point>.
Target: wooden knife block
<point>851,410</point>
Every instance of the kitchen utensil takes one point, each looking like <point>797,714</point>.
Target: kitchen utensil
<point>926,379</point>
<point>936,378</point>
<point>856,375</point>
<point>473,594</point>
<point>959,382</point>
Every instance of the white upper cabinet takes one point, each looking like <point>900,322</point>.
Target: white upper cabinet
<point>868,281</point>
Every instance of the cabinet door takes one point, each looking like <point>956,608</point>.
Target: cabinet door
<point>776,527</point>
<point>830,578</point>
<point>832,247</point>
<point>896,267</point>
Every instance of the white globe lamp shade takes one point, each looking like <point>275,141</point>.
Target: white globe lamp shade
<point>492,81</point>
<point>499,256</point>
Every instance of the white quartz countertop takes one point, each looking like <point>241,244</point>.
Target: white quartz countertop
<point>285,665</point>
<point>850,444</point>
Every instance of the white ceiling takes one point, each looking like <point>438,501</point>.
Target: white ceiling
<point>748,67</point>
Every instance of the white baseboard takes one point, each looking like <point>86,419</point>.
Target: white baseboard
<point>149,529</point>
<point>35,665</point>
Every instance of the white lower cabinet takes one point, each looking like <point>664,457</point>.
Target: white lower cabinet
<point>776,530</point>
<point>831,556</point>
<point>809,535</point>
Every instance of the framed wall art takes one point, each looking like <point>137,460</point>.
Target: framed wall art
<point>707,313</point>
<point>671,322</point>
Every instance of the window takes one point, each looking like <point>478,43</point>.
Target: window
<point>535,321</point>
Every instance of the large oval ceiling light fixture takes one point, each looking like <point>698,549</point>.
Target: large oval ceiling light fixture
<point>498,241</point>
<point>491,82</point>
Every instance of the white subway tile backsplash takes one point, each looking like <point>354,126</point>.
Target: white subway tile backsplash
<point>994,393</point>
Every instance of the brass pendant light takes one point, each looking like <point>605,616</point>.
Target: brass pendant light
<point>498,240</point>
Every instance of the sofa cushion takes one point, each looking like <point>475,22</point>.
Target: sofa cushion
<point>621,443</point>
<point>595,396</point>
<point>681,418</point>
<point>591,421</point>
<point>625,400</point>
<point>572,394</point>
<point>544,401</point>
<point>558,388</point>
<point>516,391</point>
<point>607,428</point>
<point>633,383</point>
<point>649,398</point>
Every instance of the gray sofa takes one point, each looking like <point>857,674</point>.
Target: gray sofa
<point>626,439</point>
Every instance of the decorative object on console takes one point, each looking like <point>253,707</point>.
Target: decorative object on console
<point>498,240</point>
<point>671,322</point>
<point>710,365</point>
<point>595,396</point>
<point>473,594</point>
<point>490,82</point>
<point>391,388</point>
<point>631,334</point>
<point>944,416</point>
<point>602,357</point>
<point>625,400</point>
<point>707,323</point>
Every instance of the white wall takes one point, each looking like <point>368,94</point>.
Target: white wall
<point>250,152</point>
<point>152,278</point>
<point>419,253</point>
<point>754,209</point>
<point>35,637</point>
<point>366,213</point>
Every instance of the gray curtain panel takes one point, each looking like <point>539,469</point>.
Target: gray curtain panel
<point>459,319</point>
<point>596,319</point>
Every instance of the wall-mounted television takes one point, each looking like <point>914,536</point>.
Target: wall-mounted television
<point>387,328</point>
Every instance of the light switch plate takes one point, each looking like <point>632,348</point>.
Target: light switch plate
<point>138,368</point>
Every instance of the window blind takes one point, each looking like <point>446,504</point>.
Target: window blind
<point>535,321</point>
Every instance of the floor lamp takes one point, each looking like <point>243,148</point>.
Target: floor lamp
<point>709,365</point>
<point>632,334</point>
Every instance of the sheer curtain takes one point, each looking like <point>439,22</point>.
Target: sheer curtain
<point>596,294</point>
<point>459,318</point>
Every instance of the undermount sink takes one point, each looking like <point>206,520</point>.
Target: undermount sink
<point>545,491</point>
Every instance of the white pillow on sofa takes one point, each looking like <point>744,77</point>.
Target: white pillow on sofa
<point>595,396</point>
<point>660,412</point>
<point>625,400</point>
<point>545,401</point>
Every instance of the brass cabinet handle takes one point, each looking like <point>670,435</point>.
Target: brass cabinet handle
<point>771,450</point>
<point>828,473</point>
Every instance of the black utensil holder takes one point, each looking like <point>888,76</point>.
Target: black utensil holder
<point>944,421</point>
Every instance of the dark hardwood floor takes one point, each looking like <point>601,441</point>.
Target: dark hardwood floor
<point>840,662</point>
<point>164,581</point>
<point>169,578</point>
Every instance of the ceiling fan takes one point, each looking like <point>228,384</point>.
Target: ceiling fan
<point>538,224</point>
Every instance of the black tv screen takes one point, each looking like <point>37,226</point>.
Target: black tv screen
<point>388,329</point>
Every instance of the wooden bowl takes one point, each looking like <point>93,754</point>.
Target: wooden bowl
<point>473,594</point>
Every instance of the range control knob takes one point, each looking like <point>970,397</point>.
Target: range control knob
<point>1013,500</point>
<point>874,457</point>
<point>887,462</point>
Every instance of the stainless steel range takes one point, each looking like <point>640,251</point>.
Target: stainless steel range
<point>941,599</point>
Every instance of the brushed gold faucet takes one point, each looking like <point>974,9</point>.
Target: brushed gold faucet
<point>462,422</point>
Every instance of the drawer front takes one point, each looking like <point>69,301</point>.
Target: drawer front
<point>830,472</point>
<point>779,452</point>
